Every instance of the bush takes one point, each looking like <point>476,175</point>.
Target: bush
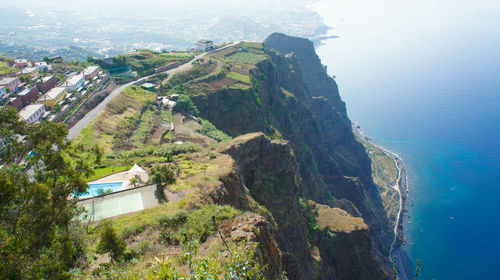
<point>174,222</point>
<point>185,103</point>
<point>162,175</point>
<point>110,242</point>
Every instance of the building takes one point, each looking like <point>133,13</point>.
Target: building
<point>11,83</point>
<point>22,63</point>
<point>31,71</point>
<point>42,66</point>
<point>75,82</point>
<point>47,83</point>
<point>204,45</point>
<point>32,113</point>
<point>24,98</point>
<point>3,92</point>
<point>90,72</point>
<point>54,96</point>
<point>28,95</point>
<point>148,86</point>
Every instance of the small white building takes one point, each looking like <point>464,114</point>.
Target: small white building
<point>42,66</point>
<point>204,45</point>
<point>75,82</point>
<point>32,113</point>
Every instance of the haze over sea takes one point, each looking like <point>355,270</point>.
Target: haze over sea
<point>423,78</point>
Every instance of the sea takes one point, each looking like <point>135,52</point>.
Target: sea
<point>423,79</point>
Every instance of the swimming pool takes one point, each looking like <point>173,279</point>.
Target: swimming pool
<point>99,188</point>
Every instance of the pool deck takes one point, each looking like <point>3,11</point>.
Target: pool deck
<point>124,176</point>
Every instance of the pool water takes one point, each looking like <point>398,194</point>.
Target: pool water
<point>97,189</point>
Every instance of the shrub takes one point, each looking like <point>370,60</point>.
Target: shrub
<point>185,103</point>
<point>162,175</point>
<point>110,242</point>
<point>174,222</point>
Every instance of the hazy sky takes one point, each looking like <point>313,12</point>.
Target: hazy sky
<point>157,7</point>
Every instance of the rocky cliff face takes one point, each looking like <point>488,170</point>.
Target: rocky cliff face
<point>293,99</point>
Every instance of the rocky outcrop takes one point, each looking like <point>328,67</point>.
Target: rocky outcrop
<point>271,176</point>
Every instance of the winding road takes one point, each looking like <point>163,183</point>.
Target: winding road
<point>81,124</point>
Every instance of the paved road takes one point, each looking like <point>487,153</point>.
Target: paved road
<point>81,124</point>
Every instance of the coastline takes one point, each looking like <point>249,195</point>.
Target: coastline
<point>396,254</point>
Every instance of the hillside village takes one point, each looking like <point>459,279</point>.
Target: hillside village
<point>44,91</point>
<point>53,89</point>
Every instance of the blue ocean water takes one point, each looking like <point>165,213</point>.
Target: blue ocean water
<point>423,78</point>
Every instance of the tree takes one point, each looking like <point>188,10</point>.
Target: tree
<point>134,181</point>
<point>162,175</point>
<point>110,242</point>
<point>41,172</point>
<point>185,103</point>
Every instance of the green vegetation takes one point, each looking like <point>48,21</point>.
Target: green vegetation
<point>176,55</point>
<point>139,94</point>
<point>109,242</point>
<point>162,175</point>
<point>208,129</point>
<point>105,171</point>
<point>185,103</point>
<point>143,61</point>
<point>184,229</point>
<point>196,72</point>
<point>6,69</point>
<point>36,237</point>
<point>248,57</point>
<point>239,77</point>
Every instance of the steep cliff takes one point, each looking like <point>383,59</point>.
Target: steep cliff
<point>291,97</point>
<point>316,241</point>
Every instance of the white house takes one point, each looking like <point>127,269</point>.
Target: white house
<point>204,45</point>
<point>75,82</point>
<point>42,66</point>
<point>32,113</point>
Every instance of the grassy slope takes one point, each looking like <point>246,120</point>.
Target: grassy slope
<point>145,60</point>
<point>102,129</point>
<point>105,171</point>
<point>239,77</point>
<point>5,69</point>
<point>338,220</point>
